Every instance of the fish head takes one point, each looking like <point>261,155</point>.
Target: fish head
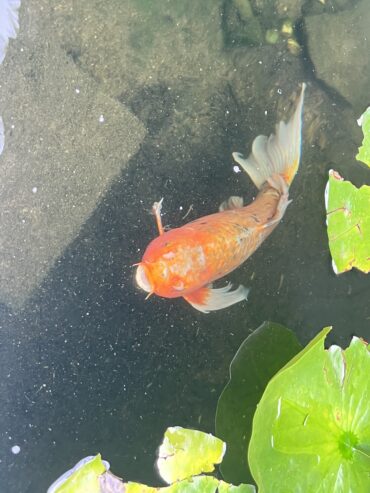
<point>155,277</point>
<point>151,272</point>
<point>160,270</point>
<point>170,266</point>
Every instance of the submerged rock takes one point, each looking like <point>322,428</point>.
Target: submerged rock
<point>275,10</point>
<point>255,22</point>
<point>241,26</point>
<point>329,6</point>
<point>339,47</point>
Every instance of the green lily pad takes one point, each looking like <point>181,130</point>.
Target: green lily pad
<point>364,151</point>
<point>186,453</point>
<point>348,222</point>
<point>311,430</point>
<point>83,477</point>
<point>259,357</point>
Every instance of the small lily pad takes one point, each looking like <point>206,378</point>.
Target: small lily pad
<point>83,477</point>
<point>311,430</point>
<point>257,360</point>
<point>364,151</point>
<point>186,453</point>
<point>348,222</point>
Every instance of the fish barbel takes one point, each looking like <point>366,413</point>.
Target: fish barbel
<point>184,261</point>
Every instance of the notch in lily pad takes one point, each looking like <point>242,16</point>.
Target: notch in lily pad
<point>348,224</point>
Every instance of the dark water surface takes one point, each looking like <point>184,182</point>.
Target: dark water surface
<point>86,364</point>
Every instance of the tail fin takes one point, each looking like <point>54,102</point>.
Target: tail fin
<point>279,154</point>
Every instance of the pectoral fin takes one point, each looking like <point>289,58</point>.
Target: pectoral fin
<point>233,202</point>
<point>209,299</point>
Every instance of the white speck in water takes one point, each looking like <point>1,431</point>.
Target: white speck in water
<point>279,91</point>
<point>77,90</point>
<point>236,169</point>
<point>34,190</point>
<point>101,118</point>
<point>16,449</point>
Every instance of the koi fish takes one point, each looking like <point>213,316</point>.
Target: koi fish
<point>183,262</point>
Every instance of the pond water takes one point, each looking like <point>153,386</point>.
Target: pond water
<point>155,97</point>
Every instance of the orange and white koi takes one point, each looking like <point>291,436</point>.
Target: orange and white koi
<point>183,262</point>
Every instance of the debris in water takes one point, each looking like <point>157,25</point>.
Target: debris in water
<point>188,212</point>
<point>280,282</point>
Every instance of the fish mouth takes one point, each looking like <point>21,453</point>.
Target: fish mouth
<point>143,278</point>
